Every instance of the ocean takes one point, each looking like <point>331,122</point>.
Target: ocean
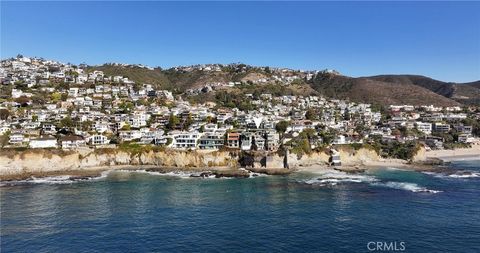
<point>382,210</point>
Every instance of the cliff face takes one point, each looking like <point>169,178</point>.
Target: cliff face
<point>45,161</point>
<point>361,156</point>
<point>420,156</point>
<point>41,161</point>
<point>348,156</point>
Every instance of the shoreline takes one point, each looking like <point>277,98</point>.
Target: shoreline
<point>97,171</point>
<point>430,163</point>
<point>447,155</point>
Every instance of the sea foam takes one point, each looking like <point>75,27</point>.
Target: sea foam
<point>405,186</point>
<point>457,174</point>
<point>334,177</point>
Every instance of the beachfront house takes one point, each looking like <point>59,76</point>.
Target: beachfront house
<point>98,139</point>
<point>233,140</point>
<point>71,141</point>
<point>211,141</point>
<point>45,141</point>
<point>16,138</point>
<point>246,140</point>
<point>185,140</point>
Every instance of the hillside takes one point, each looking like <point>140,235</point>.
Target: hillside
<point>382,89</point>
<point>137,74</point>
<point>376,91</point>
<point>465,93</point>
<point>176,79</point>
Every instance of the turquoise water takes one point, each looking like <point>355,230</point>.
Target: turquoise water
<point>329,212</point>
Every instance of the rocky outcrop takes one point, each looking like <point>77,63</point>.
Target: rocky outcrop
<point>43,161</point>
<point>420,156</point>
<point>362,156</point>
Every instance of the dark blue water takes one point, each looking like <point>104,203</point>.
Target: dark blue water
<point>332,212</point>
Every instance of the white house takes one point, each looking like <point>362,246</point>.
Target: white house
<point>72,142</point>
<point>185,140</point>
<point>426,128</point>
<point>43,142</point>
<point>98,140</point>
<point>466,138</point>
<point>16,138</point>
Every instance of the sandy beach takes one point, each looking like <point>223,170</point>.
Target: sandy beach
<point>456,154</point>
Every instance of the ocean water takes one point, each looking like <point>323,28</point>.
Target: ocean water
<point>305,212</point>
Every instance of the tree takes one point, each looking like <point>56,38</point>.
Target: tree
<point>67,122</point>
<point>126,127</point>
<point>56,96</point>
<point>22,100</point>
<point>173,121</point>
<point>282,126</point>
<point>310,114</point>
<point>86,125</point>
<point>189,121</point>
<point>4,139</point>
<point>327,136</point>
<point>210,119</point>
<point>346,115</point>
<point>38,99</point>
<point>126,106</point>
<point>4,113</point>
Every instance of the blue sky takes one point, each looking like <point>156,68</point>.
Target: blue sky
<point>436,39</point>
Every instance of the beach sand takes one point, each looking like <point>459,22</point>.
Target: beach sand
<point>446,155</point>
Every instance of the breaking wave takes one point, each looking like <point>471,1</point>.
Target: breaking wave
<point>66,179</point>
<point>405,186</point>
<point>332,178</point>
<point>338,177</point>
<point>156,173</point>
<point>458,174</point>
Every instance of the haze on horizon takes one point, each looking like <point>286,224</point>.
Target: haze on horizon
<point>440,40</point>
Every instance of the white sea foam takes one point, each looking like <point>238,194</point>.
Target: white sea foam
<point>65,179</point>
<point>466,175</point>
<point>405,186</point>
<point>51,180</point>
<point>334,177</point>
<point>395,169</point>
<point>156,173</point>
<point>457,174</point>
<point>255,174</point>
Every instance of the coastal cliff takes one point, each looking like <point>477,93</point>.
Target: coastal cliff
<point>44,161</point>
<point>14,163</point>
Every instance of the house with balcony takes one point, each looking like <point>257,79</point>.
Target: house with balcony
<point>233,140</point>
<point>185,140</point>
<point>71,141</point>
<point>97,140</point>
<point>211,141</point>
